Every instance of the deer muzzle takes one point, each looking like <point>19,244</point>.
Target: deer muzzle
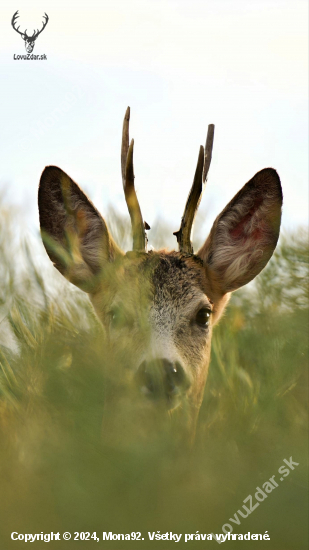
<point>163,381</point>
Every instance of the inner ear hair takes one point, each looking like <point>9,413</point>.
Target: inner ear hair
<point>74,233</point>
<point>244,236</point>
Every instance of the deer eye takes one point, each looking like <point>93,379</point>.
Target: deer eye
<point>202,317</point>
<point>117,317</point>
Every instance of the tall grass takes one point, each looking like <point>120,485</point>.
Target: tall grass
<point>56,473</point>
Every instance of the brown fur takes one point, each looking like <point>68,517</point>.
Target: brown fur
<point>155,297</point>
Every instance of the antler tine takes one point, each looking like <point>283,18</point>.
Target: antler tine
<point>44,22</point>
<point>183,235</point>
<point>208,150</point>
<point>13,22</point>
<point>125,144</point>
<point>127,170</point>
<point>36,34</point>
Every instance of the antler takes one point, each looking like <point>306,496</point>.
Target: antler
<point>24,34</point>
<point>127,170</point>
<point>183,235</point>
<point>36,34</point>
<point>13,21</point>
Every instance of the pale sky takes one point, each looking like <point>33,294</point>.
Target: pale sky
<point>180,65</point>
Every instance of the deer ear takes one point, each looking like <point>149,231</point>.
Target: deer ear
<point>74,234</point>
<point>244,236</point>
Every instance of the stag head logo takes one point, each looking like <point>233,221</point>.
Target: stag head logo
<point>29,40</point>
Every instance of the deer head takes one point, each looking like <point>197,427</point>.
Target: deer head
<point>158,309</point>
<point>29,40</point>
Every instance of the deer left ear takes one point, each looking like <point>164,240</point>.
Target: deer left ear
<point>74,234</point>
<point>244,236</point>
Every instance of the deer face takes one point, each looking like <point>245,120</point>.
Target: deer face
<point>29,44</point>
<point>158,308</point>
<point>158,318</point>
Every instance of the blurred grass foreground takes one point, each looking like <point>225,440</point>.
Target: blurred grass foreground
<point>56,473</point>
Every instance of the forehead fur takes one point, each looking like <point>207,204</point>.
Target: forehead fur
<point>177,276</point>
<point>139,279</point>
<point>171,275</point>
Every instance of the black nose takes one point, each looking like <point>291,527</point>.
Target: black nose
<point>162,379</point>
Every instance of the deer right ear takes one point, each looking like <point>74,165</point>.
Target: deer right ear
<point>244,236</point>
<point>74,234</point>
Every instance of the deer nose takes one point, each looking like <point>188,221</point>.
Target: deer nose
<point>161,379</point>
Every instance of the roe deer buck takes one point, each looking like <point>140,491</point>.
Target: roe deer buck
<point>158,308</point>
